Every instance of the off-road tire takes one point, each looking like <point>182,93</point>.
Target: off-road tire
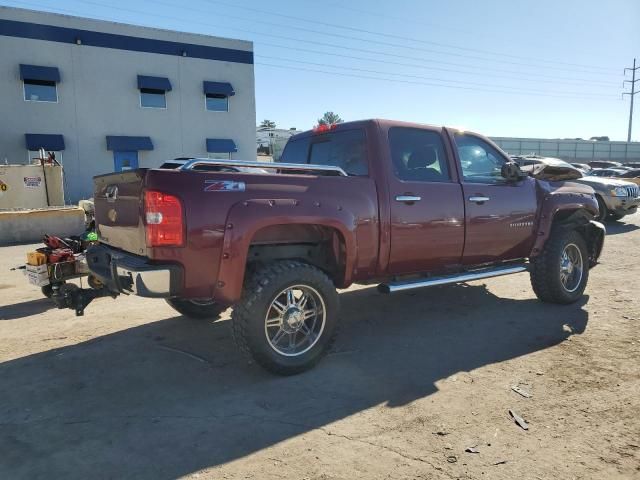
<point>47,290</point>
<point>603,211</point>
<point>248,318</point>
<point>545,269</point>
<point>196,310</point>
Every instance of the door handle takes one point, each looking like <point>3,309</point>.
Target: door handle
<point>408,198</point>
<point>479,199</point>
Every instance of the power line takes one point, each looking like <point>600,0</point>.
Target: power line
<point>375,42</point>
<point>426,67</point>
<point>330,45</point>
<point>335,54</point>
<point>631,94</point>
<point>521,92</point>
<point>425,78</point>
<point>389,35</point>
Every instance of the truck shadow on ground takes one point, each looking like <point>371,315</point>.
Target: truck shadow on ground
<point>616,228</point>
<point>173,397</point>
<point>16,311</point>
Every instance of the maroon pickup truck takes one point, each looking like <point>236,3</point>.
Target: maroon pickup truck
<point>399,204</point>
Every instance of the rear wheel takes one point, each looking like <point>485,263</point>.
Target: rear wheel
<point>287,316</point>
<point>560,273</point>
<point>199,309</point>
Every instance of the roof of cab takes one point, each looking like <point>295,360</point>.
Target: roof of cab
<point>365,123</point>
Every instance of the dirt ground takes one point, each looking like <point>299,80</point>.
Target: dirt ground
<point>134,390</point>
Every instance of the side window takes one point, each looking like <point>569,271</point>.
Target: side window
<point>418,155</point>
<point>341,149</point>
<point>481,163</point>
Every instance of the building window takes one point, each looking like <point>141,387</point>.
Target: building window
<point>153,91</point>
<point>152,98</point>
<point>217,102</point>
<point>39,83</point>
<point>40,91</point>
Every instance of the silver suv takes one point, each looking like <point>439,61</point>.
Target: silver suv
<point>616,198</point>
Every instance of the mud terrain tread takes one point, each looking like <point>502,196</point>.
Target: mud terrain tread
<point>254,286</point>
<point>544,269</point>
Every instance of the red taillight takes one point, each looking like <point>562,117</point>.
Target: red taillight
<point>163,219</point>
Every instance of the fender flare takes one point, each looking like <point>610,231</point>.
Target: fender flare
<point>580,217</point>
<point>246,218</point>
<point>575,209</point>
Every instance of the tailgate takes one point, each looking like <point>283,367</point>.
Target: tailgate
<point>118,210</point>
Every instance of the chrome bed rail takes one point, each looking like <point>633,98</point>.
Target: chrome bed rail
<point>193,163</point>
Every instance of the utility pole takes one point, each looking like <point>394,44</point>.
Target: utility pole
<point>631,93</point>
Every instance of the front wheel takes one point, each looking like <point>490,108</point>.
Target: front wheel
<point>560,273</point>
<point>287,316</point>
<point>603,211</point>
<point>198,309</point>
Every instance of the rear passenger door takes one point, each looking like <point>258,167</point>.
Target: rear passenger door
<point>426,203</point>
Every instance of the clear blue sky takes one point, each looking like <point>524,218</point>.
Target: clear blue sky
<point>521,68</point>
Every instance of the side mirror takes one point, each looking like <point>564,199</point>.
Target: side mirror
<point>511,172</point>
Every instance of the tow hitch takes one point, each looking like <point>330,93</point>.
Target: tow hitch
<point>75,298</point>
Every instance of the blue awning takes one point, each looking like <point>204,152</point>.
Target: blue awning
<point>34,72</point>
<point>128,144</point>
<point>50,142</point>
<point>218,88</point>
<point>221,145</point>
<point>154,83</point>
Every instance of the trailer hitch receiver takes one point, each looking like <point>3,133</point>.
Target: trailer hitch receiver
<point>78,298</point>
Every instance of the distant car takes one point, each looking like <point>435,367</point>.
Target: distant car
<point>632,164</point>
<point>604,164</point>
<point>631,176</point>
<point>607,172</point>
<point>616,197</point>
<point>583,167</point>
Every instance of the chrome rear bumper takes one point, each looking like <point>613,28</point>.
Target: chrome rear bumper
<point>123,272</point>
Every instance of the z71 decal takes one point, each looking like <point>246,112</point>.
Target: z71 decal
<point>223,186</point>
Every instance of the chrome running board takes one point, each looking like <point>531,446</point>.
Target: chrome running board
<point>393,287</point>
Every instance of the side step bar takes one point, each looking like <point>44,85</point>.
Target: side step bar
<point>393,287</point>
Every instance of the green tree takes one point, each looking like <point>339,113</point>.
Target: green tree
<point>329,118</point>
<point>268,124</point>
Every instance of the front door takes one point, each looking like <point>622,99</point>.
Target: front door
<point>427,210</point>
<point>123,161</point>
<point>500,215</point>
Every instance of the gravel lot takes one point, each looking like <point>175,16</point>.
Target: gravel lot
<point>133,390</point>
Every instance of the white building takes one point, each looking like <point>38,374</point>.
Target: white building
<point>109,97</point>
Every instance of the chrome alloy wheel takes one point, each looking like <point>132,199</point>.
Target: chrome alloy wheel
<point>295,320</point>
<point>571,267</point>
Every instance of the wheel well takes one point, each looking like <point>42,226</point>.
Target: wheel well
<point>580,220</point>
<point>318,245</point>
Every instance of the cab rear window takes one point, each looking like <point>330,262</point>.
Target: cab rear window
<point>339,149</point>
